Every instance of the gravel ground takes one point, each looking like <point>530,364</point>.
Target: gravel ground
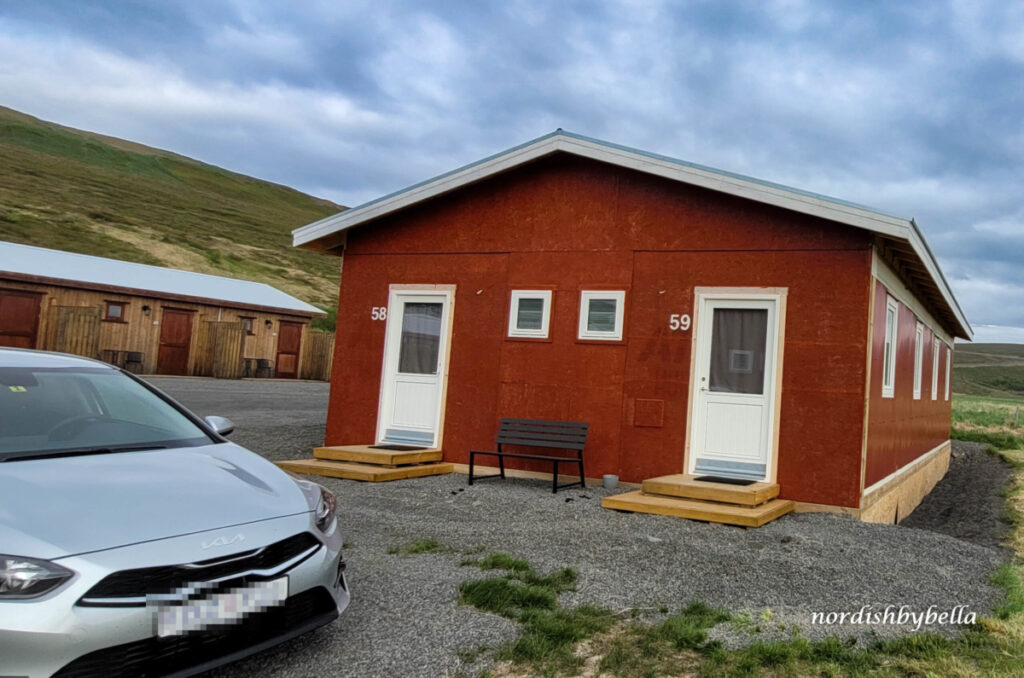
<point>972,474</point>
<point>404,619</point>
<point>280,419</point>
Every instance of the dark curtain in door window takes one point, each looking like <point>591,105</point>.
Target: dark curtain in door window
<point>421,338</point>
<point>738,339</point>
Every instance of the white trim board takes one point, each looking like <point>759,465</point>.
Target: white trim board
<point>898,228</point>
<point>903,470</point>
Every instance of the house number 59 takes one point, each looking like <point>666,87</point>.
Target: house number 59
<point>379,313</point>
<point>677,322</point>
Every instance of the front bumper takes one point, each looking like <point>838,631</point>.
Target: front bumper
<point>54,635</point>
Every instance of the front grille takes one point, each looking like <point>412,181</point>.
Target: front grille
<point>132,587</point>
<point>163,656</point>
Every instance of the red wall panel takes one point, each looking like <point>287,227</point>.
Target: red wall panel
<point>902,428</point>
<point>568,224</point>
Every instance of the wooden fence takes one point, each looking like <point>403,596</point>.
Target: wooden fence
<point>319,356</point>
<point>218,349</point>
<point>75,329</point>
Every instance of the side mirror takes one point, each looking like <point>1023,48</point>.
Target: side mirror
<point>221,425</point>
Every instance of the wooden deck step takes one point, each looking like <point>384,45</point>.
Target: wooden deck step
<point>367,472</point>
<point>365,454</point>
<point>730,514</point>
<point>686,486</point>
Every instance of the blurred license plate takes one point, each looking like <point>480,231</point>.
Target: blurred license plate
<point>229,607</point>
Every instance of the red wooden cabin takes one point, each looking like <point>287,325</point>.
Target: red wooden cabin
<point>702,323</point>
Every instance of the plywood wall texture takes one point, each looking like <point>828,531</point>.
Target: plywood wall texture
<point>902,428</point>
<point>568,224</point>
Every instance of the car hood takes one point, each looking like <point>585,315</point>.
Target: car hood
<point>51,508</point>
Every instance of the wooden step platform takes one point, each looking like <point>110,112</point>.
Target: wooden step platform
<point>368,472</point>
<point>687,486</point>
<point>684,496</point>
<point>368,454</point>
<point>716,512</point>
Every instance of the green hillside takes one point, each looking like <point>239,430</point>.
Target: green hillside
<point>72,190</point>
<point>989,370</point>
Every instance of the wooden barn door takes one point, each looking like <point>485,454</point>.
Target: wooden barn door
<point>19,318</point>
<point>289,343</point>
<point>77,330</point>
<point>175,339</point>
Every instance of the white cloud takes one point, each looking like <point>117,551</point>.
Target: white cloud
<point>912,109</point>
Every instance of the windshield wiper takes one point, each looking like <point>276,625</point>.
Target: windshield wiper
<point>78,451</point>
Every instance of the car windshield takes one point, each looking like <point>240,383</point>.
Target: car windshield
<point>44,410</point>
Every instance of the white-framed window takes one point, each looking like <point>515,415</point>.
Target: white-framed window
<point>918,359</point>
<point>935,369</point>
<point>892,323</point>
<point>529,313</point>
<point>601,314</point>
<point>949,367</point>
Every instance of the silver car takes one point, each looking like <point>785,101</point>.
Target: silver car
<point>136,541</point>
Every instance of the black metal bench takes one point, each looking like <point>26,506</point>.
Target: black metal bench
<point>562,435</point>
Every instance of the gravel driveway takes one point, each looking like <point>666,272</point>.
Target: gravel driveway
<point>404,619</point>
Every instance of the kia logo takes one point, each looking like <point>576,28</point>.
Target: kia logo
<point>224,541</point>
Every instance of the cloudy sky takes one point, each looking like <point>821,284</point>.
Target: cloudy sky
<point>916,108</point>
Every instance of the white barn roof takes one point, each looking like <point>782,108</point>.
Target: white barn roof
<point>74,270</point>
<point>901,241</point>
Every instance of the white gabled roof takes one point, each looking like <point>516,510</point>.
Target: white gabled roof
<point>56,267</point>
<point>910,246</point>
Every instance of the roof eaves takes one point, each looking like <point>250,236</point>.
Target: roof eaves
<point>422,190</point>
<point>797,200</point>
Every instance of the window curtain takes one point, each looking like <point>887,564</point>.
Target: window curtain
<point>738,339</point>
<point>421,338</point>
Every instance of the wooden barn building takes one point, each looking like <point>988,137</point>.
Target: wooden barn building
<point>737,347</point>
<point>156,320</point>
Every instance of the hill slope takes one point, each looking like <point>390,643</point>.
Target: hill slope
<point>82,192</point>
<point>989,369</point>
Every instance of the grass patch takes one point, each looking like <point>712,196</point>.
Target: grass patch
<point>997,439</point>
<point>641,650</point>
<point>1010,578</point>
<point>549,632</point>
<point>421,546</point>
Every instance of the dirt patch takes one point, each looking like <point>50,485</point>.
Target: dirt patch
<point>967,503</point>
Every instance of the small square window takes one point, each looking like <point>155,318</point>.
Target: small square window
<point>247,325</point>
<point>601,315</point>
<point>115,311</point>
<point>529,313</point>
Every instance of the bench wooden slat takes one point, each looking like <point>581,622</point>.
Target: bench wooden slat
<point>540,443</point>
<point>523,455</point>
<point>541,425</point>
<point>546,441</point>
<point>539,432</point>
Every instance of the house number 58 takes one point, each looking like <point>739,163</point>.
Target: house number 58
<point>379,313</point>
<point>677,322</point>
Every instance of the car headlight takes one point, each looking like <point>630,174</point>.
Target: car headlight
<point>326,507</point>
<point>28,577</point>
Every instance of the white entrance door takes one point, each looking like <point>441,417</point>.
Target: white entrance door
<point>415,352</point>
<point>734,387</point>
